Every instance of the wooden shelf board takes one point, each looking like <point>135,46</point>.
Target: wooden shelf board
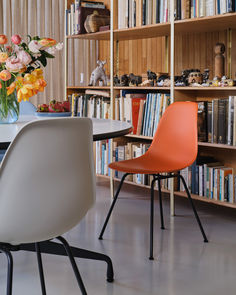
<point>133,183</point>
<point>200,88</point>
<point>139,136</point>
<point>143,32</point>
<point>92,36</point>
<point>141,88</point>
<point>204,199</point>
<point>89,87</point>
<point>217,145</point>
<point>206,24</point>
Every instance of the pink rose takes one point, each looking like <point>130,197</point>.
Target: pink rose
<point>34,46</point>
<point>13,64</point>
<point>16,39</point>
<point>24,57</point>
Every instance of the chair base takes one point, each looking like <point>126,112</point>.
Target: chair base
<point>49,247</point>
<point>156,177</point>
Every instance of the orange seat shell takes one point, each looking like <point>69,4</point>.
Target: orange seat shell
<point>174,146</point>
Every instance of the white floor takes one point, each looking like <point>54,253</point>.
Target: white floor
<point>183,264</point>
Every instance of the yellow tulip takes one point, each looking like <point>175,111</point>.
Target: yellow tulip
<point>25,92</point>
<point>40,84</point>
<point>11,88</point>
<point>38,73</point>
<point>29,79</point>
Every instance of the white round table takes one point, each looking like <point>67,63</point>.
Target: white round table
<point>102,129</point>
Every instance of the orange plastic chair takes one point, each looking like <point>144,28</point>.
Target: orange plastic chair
<point>174,147</point>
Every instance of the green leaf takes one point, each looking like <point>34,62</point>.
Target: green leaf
<point>36,38</point>
<point>43,60</point>
<point>29,37</point>
<point>46,54</point>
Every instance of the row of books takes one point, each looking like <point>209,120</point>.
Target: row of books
<point>122,152</point>
<point>200,8</point>
<point>88,105</point>
<point>211,180</point>
<point>135,13</point>
<point>76,15</point>
<point>217,121</point>
<point>142,110</point>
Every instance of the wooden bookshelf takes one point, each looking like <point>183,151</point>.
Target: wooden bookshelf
<point>135,50</point>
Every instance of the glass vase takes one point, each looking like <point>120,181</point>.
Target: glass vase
<point>9,106</point>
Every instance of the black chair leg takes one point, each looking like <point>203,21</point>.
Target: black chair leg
<point>160,202</point>
<point>112,206</point>
<point>151,219</point>
<point>9,270</point>
<point>74,266</point>
<point>40,266</point>
<point>194,209</point>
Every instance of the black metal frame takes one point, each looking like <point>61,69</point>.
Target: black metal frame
<point>156,177</point>
<point>50,247</point>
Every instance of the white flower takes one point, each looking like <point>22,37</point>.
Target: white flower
<point>59,46</point>
<point>24,57</point>
<point>51,50</point>
<point>34,46</point>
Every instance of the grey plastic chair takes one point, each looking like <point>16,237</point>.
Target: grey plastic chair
<point>47,185</point>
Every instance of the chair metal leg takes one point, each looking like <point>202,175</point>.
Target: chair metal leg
<point>40,266</point>
<point>9,269</point>
<point>151,219</point>
<point>112,206</point>
<point>194,209</point>
<point>73,263</point>
<point>160,202</point>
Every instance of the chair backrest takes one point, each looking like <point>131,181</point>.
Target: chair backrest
<point>27,108</point>
<point>176,138</point>
<point>47,180</point>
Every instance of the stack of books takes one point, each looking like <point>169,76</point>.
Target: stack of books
<point>135,13</point>
<point>91,106</point>
<point>211,180</point>
<point>143,111</point>
<point>200,8</point>
<point>217,121</point>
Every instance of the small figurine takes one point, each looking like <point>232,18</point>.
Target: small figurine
<point>135,80</point>
<point>116,81</point>
<point>205,76</point>
<point>216,81</point>
<point>151,77</point>
<point>146,83</point>
<point>195,77</point>
<point>98,74</point>
<point>219,60</point>
<point>124,80</point>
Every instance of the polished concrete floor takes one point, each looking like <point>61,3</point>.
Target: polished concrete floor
<point>183,264</point>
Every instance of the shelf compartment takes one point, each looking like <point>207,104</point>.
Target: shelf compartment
<point>91,36</point>
<point>143,32</point>
<point>88,87</point>
<point>217,145</point>
<point>206,24</point>
<point>141,88</point>
<point>205,199</point>
<point>199,88</point>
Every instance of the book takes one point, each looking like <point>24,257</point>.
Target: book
<point>140,117</point>
<point>222,121</point>
<point>214,121</point>
<point>136,99</point>
<point>202,121</point>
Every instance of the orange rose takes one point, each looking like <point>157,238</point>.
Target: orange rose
<point>47,42</point>
<point>3,56</point>
<point>3,39</point>
<point>5,75</point>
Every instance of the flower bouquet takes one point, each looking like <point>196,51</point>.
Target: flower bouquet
<point>21,75</point>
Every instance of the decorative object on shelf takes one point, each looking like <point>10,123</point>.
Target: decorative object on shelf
<point>94,21</point>
<point>163,79</point>
<point>98,74</point>
<point>195,78</point>
<point>219,60</point>
<point>205,76</point>
<point>135,80</point>
<point>215,82</point>
<point>147,83</point>
<point>116,80</point>
<point>124,80</point>
<point>104,28</point>
<point>21,76</point>
<point>152,77</point>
